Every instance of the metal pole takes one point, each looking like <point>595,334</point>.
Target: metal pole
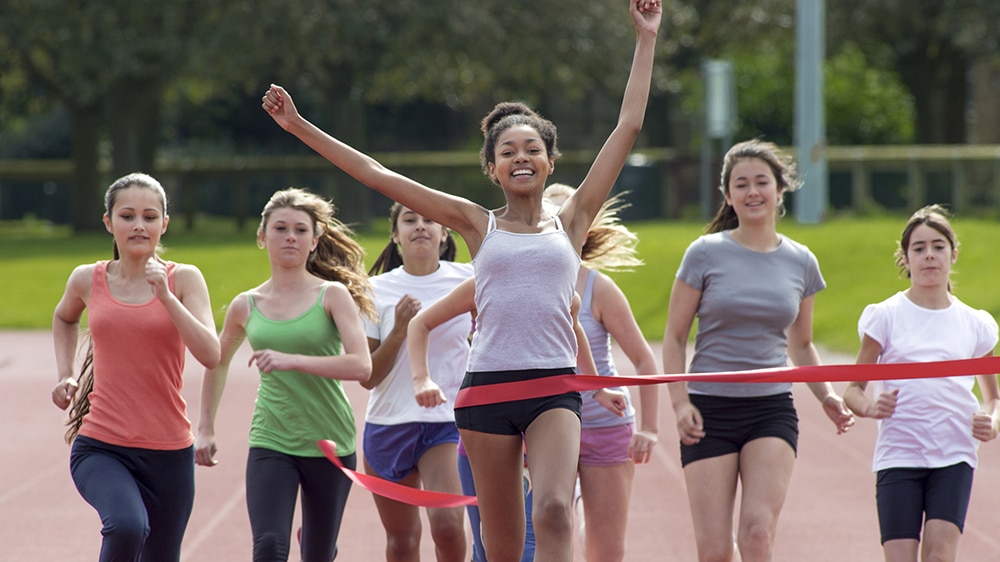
<point>810,117</point>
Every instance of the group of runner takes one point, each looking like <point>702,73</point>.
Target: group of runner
<point>418,327</point>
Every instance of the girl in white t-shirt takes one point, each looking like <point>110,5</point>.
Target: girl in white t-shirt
<point>403,441</point>
<point>925,452</point>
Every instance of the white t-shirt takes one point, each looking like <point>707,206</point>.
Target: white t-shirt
<point>392,402</point>
<point>932,424</point>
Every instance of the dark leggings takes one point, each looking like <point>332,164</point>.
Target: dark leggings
<point>273,481</point>
<point>144,497</point>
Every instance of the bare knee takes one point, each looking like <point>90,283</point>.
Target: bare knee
<point>448,533</point>
<point>552,516</point>
<point>402,545</point>
<point>756,540</point>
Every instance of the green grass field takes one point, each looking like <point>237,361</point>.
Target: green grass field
<point>855,255</point>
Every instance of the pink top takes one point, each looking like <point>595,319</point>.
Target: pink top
<point>138,372</point>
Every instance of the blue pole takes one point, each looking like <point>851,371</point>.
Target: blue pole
<point>810,116</point>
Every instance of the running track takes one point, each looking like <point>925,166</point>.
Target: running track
<point>829,513</point>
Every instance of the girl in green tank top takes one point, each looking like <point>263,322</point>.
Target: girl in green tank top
<point>305,330</point>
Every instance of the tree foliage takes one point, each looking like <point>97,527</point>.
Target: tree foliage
<point>931,44</point>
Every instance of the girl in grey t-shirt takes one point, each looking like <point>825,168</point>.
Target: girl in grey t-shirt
<point>752,291</point>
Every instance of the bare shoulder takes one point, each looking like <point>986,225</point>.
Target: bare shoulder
<point>336,294</point>
<point>239,308</point>
<point>188,274</point>
<point>81,279</point>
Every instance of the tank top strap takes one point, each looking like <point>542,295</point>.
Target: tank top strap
<point>319,299</point>
<point>492,224</point>
<point>588,289</point>
<point>559,225</point>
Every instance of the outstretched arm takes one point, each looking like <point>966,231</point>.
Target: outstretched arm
<point>580,209</point>
<point>459,214</point>
<point>460,300</point>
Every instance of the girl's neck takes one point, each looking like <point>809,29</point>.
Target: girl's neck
<point>935,297</point>
<point>524,210</point>
<point>420,266</point>
<point>759,238</point>
<point>130,267</point>
<point>290,278</point>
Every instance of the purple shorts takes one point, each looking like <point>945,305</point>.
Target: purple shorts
<point>394,450</point>
<point>605,446</point>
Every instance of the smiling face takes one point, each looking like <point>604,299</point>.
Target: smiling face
<point>289,236</point>
<point>417,235</point>
<point>521,162</point>
<point>753,191</point>
<point>929,256</point>
<point>136,220</point>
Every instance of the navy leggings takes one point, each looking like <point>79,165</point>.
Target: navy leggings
<point>273,481</point>
<point>144,497</point>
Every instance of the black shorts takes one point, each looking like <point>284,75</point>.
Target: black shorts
<point>513,418</point>
<point>732,422</point>
<point>906,495</point>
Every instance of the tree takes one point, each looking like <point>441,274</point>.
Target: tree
<point>931,44</point>
<point>108,63</point>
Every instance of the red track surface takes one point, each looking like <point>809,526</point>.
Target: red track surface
<point>829,513</point>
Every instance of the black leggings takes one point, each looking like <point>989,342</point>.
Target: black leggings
<point>273,481</point>
<point>144,497</point>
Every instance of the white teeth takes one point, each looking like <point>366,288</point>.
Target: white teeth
<point>521,173</point>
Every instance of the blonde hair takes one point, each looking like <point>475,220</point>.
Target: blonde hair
<point>610,246</point>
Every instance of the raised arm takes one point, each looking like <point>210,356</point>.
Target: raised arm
<point>214,382</point>
<point>459,214</point>
<point>460,300</point>
<point>580,209</point>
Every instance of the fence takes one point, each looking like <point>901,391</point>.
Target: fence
<point>662,183</point>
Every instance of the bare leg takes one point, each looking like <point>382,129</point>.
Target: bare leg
<point>711,487</point>
<point>606,491</point>
<point>553,441</point>
<point>439,472</point>
<point>765,472</point>
<point>497,462</point>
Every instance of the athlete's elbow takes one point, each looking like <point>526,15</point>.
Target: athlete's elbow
<point>360,370</point>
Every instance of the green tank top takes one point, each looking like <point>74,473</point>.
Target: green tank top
<point>295,409</point>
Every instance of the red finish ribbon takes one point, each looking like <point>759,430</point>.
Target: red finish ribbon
<point>559,384</point>
<point>392,490</point>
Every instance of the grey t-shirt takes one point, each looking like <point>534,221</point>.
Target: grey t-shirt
<point>748,301</point>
